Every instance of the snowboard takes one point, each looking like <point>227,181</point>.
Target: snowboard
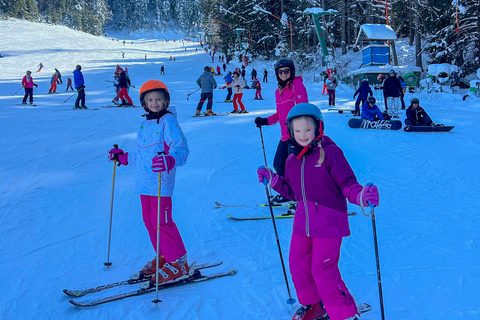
<point>380,124</point>
<point>341,110</point>
<point>437,128</point>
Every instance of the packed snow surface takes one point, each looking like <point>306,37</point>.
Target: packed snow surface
<point>57,183</point>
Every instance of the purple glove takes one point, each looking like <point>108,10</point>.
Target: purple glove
<point>162,163</point>
<point>266,176</point>
<point>370,196</point>
<point>119,155</point>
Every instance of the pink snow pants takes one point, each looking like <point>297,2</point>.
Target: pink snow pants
<point>315,274</point>
<point>171,244</point>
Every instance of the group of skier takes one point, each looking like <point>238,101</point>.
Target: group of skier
<point>310,169</point>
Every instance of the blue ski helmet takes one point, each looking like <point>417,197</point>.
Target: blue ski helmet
<point>415,100</point>
<point>285,63</point>
<point>306,109</point>
<point>371,100</point>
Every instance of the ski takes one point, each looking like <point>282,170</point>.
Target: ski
<point>275,205</point>
<point>364,308</point>
<point>120,106</point>
<point>81,293</point>
<point>82,109</point>
<point>289,214</point>
<point>216,115</point>
<point>196,277</point>
<point>21,104</point>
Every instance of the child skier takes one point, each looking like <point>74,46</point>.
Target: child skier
<point>237,85</point>
<point>290,92</point>
<point>123,84</point>
<point>416,115</point>
<point>319,177</point>
<point>159,132</point>
<point>27,84</point>
<point>370,110</point>
<point>69,84</point>
<point>258,92</point>
<point>363,91</point>
<point>331,86</point>
<point>228,80</point>
<point>53,84</point>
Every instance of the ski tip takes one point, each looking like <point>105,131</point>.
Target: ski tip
<point>72,293</point>
<point>218,205</point>
<point>77,304</point>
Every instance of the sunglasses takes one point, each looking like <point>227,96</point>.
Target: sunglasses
<point>286,71</point>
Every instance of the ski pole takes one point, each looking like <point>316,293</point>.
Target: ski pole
<point>193,92</point>
<point>68,98</point>
<point>17,91</point>
<point>377,260</point>
<point>290,299</point>
<point>108,263</point>
<point>156,301</point>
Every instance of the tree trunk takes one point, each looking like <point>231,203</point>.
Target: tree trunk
<point>418,38</point>
<point>344,26</point>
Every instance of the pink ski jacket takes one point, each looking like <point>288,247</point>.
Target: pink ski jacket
<point>27,82</point>
<point>286,98</point>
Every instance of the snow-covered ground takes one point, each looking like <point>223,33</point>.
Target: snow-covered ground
<point>56,187</point>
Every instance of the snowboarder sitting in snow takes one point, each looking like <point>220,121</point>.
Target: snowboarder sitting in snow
<point>370,110</point>
<point>159,132</point>
<point>363,91</point>
<point>416,115</point>
<point>318,176</point>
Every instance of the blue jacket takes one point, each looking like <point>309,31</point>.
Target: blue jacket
<point>392,87</point>
<point>418,115</point>
<point>78,78</point>
<point>228,79</point>
<point>363,91</point>
<point>370,113</point>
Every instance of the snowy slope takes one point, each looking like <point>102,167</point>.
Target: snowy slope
<point>55,195</point>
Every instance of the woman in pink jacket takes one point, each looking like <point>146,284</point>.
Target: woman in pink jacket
<point>290,92</point>
<point>318,176</point>
<point>27,84</point>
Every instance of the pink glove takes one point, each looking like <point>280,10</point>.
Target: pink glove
<point>162,163</point>
<point>370,196</point>
<point>119,155</point>
<point>266,176</point>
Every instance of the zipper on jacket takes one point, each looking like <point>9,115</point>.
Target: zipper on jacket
<point>302,181</point>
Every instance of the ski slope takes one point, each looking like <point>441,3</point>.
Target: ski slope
<point>56,190</point>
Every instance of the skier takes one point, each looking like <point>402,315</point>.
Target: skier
<point>258,92</point>
<point>325,77</point>
<point>416,115</point>
<point>224,67</point>
<point>162,69</point>
<point>207,82</point>
<point>331,86</point>
<point>27,84</point>
<point>219,70</point>
<point>253,74</point>
<point>69,84</point>
<point>319,177</point>
<point>290,92</point>
<point>80,86</point>
<point>40,67</point>
<point>265,75</point>
<point>53,84</point>
<point>123,84</point>
<point>159,132</point>
<point>370,110</point>
<point>392,90</point>
<point>228,81</point>
<point>402,83</point>
<point>116,82</point>
<point>59,76</point>
<point>363,91</point>
<point>237,86</point>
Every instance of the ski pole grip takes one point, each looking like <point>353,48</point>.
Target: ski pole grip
<point>369,184</point>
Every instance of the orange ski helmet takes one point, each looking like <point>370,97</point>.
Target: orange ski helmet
<point>151,85</point>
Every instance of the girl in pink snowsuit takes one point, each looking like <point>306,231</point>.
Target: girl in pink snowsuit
<point>318,176</point>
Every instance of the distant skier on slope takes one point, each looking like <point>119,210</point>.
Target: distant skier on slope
<point>207,82</point>
<point>159,132</point>
<point>318,176</point>
<point>363,91</point>
<point>27,84</point>
<point>290,91</point>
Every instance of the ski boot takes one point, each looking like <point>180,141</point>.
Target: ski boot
<point>311,312</point>
<point>171,272</point>
<point>210,113</point>
<point>148,270</point>
<point>198,113</point>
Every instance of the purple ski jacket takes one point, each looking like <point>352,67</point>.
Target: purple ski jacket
<point>321,191</point>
